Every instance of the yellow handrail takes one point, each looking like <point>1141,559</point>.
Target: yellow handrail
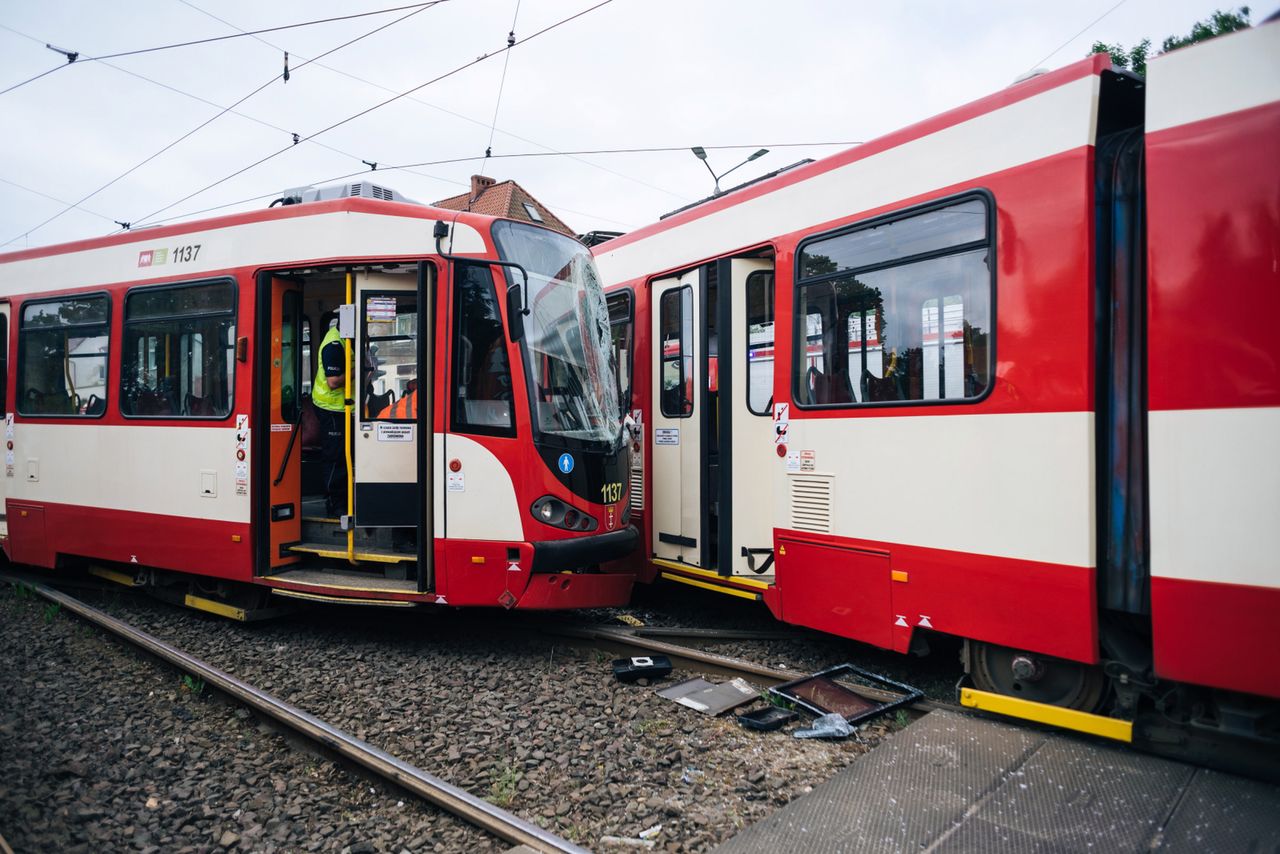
<point>346,440</point>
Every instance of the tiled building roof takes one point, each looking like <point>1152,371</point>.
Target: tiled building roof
<point>505,199</point>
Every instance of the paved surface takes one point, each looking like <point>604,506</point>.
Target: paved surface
<point>951,783</point>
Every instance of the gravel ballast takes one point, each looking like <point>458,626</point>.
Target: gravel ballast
<point>533,724</point>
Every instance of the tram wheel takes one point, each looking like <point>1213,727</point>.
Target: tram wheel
<point>1039,678</point>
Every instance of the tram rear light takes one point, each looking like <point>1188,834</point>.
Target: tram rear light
<point>571,518</point>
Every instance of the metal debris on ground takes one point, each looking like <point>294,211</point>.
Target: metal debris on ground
<point>828,726</point>
<point>708,697</point>
<point>626,842</point>
<point>844,689</point>
<point>767,719</point>
<point>646,666</point>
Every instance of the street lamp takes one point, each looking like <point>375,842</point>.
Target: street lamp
<point>701,154</point>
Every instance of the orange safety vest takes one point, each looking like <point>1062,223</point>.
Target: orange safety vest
<point>405,407</point>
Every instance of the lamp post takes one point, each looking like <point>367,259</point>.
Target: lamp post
<point>701,154</point>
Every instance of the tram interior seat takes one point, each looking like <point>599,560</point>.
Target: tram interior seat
<point>829,388</point>
<point>199,405</point>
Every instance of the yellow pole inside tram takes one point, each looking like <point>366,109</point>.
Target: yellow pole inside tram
<point>346,439</point>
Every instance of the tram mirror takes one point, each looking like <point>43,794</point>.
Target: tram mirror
<point>515,312</point>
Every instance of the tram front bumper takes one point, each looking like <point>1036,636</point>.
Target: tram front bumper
<point>557,581</point>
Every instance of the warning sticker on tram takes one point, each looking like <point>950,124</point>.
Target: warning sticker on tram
<point>666,436</point>
<point>395,432</point>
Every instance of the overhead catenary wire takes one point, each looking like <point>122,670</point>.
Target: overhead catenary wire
<point>82,58</point>
<point>408,167</point>
<point>357,78</point>
<point>1083,30</point>
<point>418,8</point>
<point>377,106</point>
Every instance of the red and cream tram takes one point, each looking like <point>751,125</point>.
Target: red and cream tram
<point>159,424</point>
<point>1009,374</point>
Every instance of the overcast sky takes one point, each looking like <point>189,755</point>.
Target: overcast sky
<point>630,74</point>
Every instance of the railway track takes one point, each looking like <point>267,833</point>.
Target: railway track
<point>451,799</point>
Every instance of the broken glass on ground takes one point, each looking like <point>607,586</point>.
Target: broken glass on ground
<point>708,697</point>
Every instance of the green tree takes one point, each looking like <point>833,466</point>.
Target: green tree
<point>1135,58</point>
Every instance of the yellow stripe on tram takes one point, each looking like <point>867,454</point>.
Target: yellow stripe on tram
<point>719,588</point>
<point>1044,713</point>
<point>712,576</point>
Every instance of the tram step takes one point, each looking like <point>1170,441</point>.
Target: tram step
<point>363,553</point>
<point>319,529</point>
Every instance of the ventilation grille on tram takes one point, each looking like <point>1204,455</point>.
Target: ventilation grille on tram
<point>637,490</point>
<point>811,503</point>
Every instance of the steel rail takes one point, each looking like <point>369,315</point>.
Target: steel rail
<point>625,640</point>
<point>448,797</point>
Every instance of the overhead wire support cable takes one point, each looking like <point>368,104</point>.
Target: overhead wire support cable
<point>502,82</point>
<point>480,122</point>
<point>418,8</point>
<point>377,106</point>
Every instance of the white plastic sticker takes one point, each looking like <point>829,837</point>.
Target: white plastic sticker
<point>8,425</point>
<point>395,432</point>
<point>242,421</point>
<point>808,461</point>
<point>666,436</point>
<point>242,471</point>
<point>457,482</point>
<point>8,458</point>
<point>793,461</point>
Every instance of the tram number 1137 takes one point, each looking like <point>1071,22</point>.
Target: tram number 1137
<point>610,492</point>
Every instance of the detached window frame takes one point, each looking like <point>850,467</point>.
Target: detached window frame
<point>800,311</point>
<point>130,339</point>
<point>94,329</point>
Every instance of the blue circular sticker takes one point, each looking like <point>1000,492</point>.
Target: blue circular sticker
<point>566,463</point>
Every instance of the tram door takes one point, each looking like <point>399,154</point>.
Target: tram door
<point>385,442</point>
<point>713,449</point>
<point>284,472</point>
<point>676,495</point>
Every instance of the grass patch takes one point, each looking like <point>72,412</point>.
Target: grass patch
<point>502,791</point>
<point>192,684</point>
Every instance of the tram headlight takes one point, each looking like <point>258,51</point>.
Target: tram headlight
<point>552,511</point>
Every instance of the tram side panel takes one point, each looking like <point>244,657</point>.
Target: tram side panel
<point>972,517</point>
<point>158,478</point>
<point>1213,167</point>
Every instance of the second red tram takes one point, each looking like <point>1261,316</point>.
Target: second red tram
<point>1008,375</point>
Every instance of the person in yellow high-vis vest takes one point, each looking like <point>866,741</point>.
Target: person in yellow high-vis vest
<point>328,395</point>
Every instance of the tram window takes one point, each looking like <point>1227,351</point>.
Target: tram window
<point>481,370</point>
<point>676,341</point>
<point>904,328</point>
<point>391,335</point>
<point>760,351</point>
<point>622,329</point>
<point>179,352</point>
<point>62,358</point>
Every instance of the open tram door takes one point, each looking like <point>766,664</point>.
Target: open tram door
<point>379,543</point>
<point>712,425</point>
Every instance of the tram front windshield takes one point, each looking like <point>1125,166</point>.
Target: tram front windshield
<point>566,335</point>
